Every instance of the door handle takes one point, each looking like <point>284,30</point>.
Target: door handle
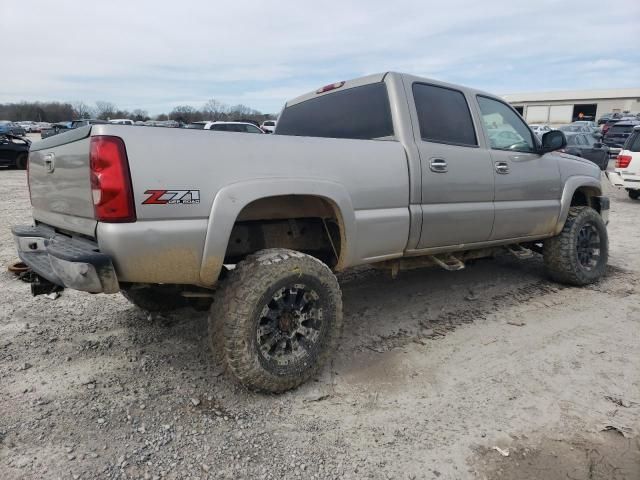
<point>502,167</point>
<point>438,165</point>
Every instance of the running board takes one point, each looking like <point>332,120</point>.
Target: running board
<point>448,262</point>
<point>519,251</point>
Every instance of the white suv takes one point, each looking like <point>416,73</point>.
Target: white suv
<point>540,130</point>
<point>627,172</point>
<point>268,126</point>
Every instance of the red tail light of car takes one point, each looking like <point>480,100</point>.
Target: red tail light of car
<point>111,181</point>
<point>623,161</point>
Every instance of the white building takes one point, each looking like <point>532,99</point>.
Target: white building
<point>565,106</point>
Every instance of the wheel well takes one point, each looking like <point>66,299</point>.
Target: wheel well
<point>306,223</point>
<point>586,197</point>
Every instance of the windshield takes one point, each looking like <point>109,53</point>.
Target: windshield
<point>620,129</point>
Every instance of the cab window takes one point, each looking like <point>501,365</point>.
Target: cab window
<point>505,128</point>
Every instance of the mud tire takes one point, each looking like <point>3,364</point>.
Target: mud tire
<point>236,318</point>
<point>561,257</point>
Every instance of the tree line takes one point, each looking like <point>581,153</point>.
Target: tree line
<point>53,112</point>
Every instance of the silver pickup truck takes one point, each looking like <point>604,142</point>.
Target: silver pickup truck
<point>389,169</point>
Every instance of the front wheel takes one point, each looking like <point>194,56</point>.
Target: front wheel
<point>579,254</point>
<point>634,194</point>
<point>276,319</point>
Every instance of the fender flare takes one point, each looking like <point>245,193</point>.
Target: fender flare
<point>570,186</point>
<point>230,200</point>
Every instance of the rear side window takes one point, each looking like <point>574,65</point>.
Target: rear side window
<point>617,129</point>
<point>443,115</point>
<point>633,143</point>
<point>361,113</point>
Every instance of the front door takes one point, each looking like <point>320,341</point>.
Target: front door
<point>457,175</point>
<point>527,184</point>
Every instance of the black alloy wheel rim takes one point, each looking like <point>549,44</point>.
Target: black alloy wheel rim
<point>290,325</point>
<point>588,246</point>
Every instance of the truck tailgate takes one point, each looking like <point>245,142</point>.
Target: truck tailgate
<point>60,182</point>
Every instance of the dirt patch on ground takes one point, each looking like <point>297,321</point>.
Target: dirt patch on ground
<point>606,456</point>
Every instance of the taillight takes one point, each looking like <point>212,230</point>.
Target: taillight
<point>110,180</point>
<point>623,161</point>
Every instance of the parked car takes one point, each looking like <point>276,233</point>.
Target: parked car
<point>14,151</point>
<point>540,130</point>
<point>608,124</point>
<point>268,126</point>
<point>390,169</point>
<point>574,129</point>
<point>618,133</point>
<point>87,121</point>
<point>587,146</point>
<point>121,121</point>
<point>243,127</point>
<point>608,116</point>
<point>627,170</point>
<point>12,128</point>
<point>42,126</point>
<point>28,126</point>
<point>5,127</point>
<point>55,129</point>
<point>587,123</point>
<point>64,126</point>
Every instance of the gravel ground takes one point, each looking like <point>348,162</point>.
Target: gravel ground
<point>435,369</point>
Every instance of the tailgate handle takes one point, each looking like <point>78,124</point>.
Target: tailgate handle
<point>49,162</point>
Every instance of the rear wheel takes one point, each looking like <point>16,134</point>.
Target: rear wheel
<point>155,299</point>
<point>634,194</point>
<point>21,162</point>
<point>579,254</point>
<point>276,319</point>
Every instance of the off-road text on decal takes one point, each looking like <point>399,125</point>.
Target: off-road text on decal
<point>171,197</point>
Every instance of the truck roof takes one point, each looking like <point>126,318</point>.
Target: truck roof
<point>379,77</point>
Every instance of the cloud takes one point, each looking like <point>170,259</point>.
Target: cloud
<point>157,54</point>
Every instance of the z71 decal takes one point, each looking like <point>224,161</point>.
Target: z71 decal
<point>172,197</point>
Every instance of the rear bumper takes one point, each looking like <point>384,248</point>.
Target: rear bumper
<point>624,180</point>
<point>68,262</point>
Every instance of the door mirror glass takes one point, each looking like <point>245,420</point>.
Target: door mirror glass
<point>553,140</point>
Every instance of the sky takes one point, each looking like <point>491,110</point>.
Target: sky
<point>155,55</point>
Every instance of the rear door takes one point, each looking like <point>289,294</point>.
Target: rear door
<point>527,184</point>
<point>457,177</point>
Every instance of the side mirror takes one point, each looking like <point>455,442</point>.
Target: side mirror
<point>597,134</point>
<point>597,145</point>
<point>553,140</point>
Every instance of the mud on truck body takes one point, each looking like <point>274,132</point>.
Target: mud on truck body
<point>389,169</point>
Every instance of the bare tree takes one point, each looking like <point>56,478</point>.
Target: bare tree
<point>215,110</point>
<point>82,110</point>
<point>185,114</point>
<point>140,115</point>
<point>105,110</point>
